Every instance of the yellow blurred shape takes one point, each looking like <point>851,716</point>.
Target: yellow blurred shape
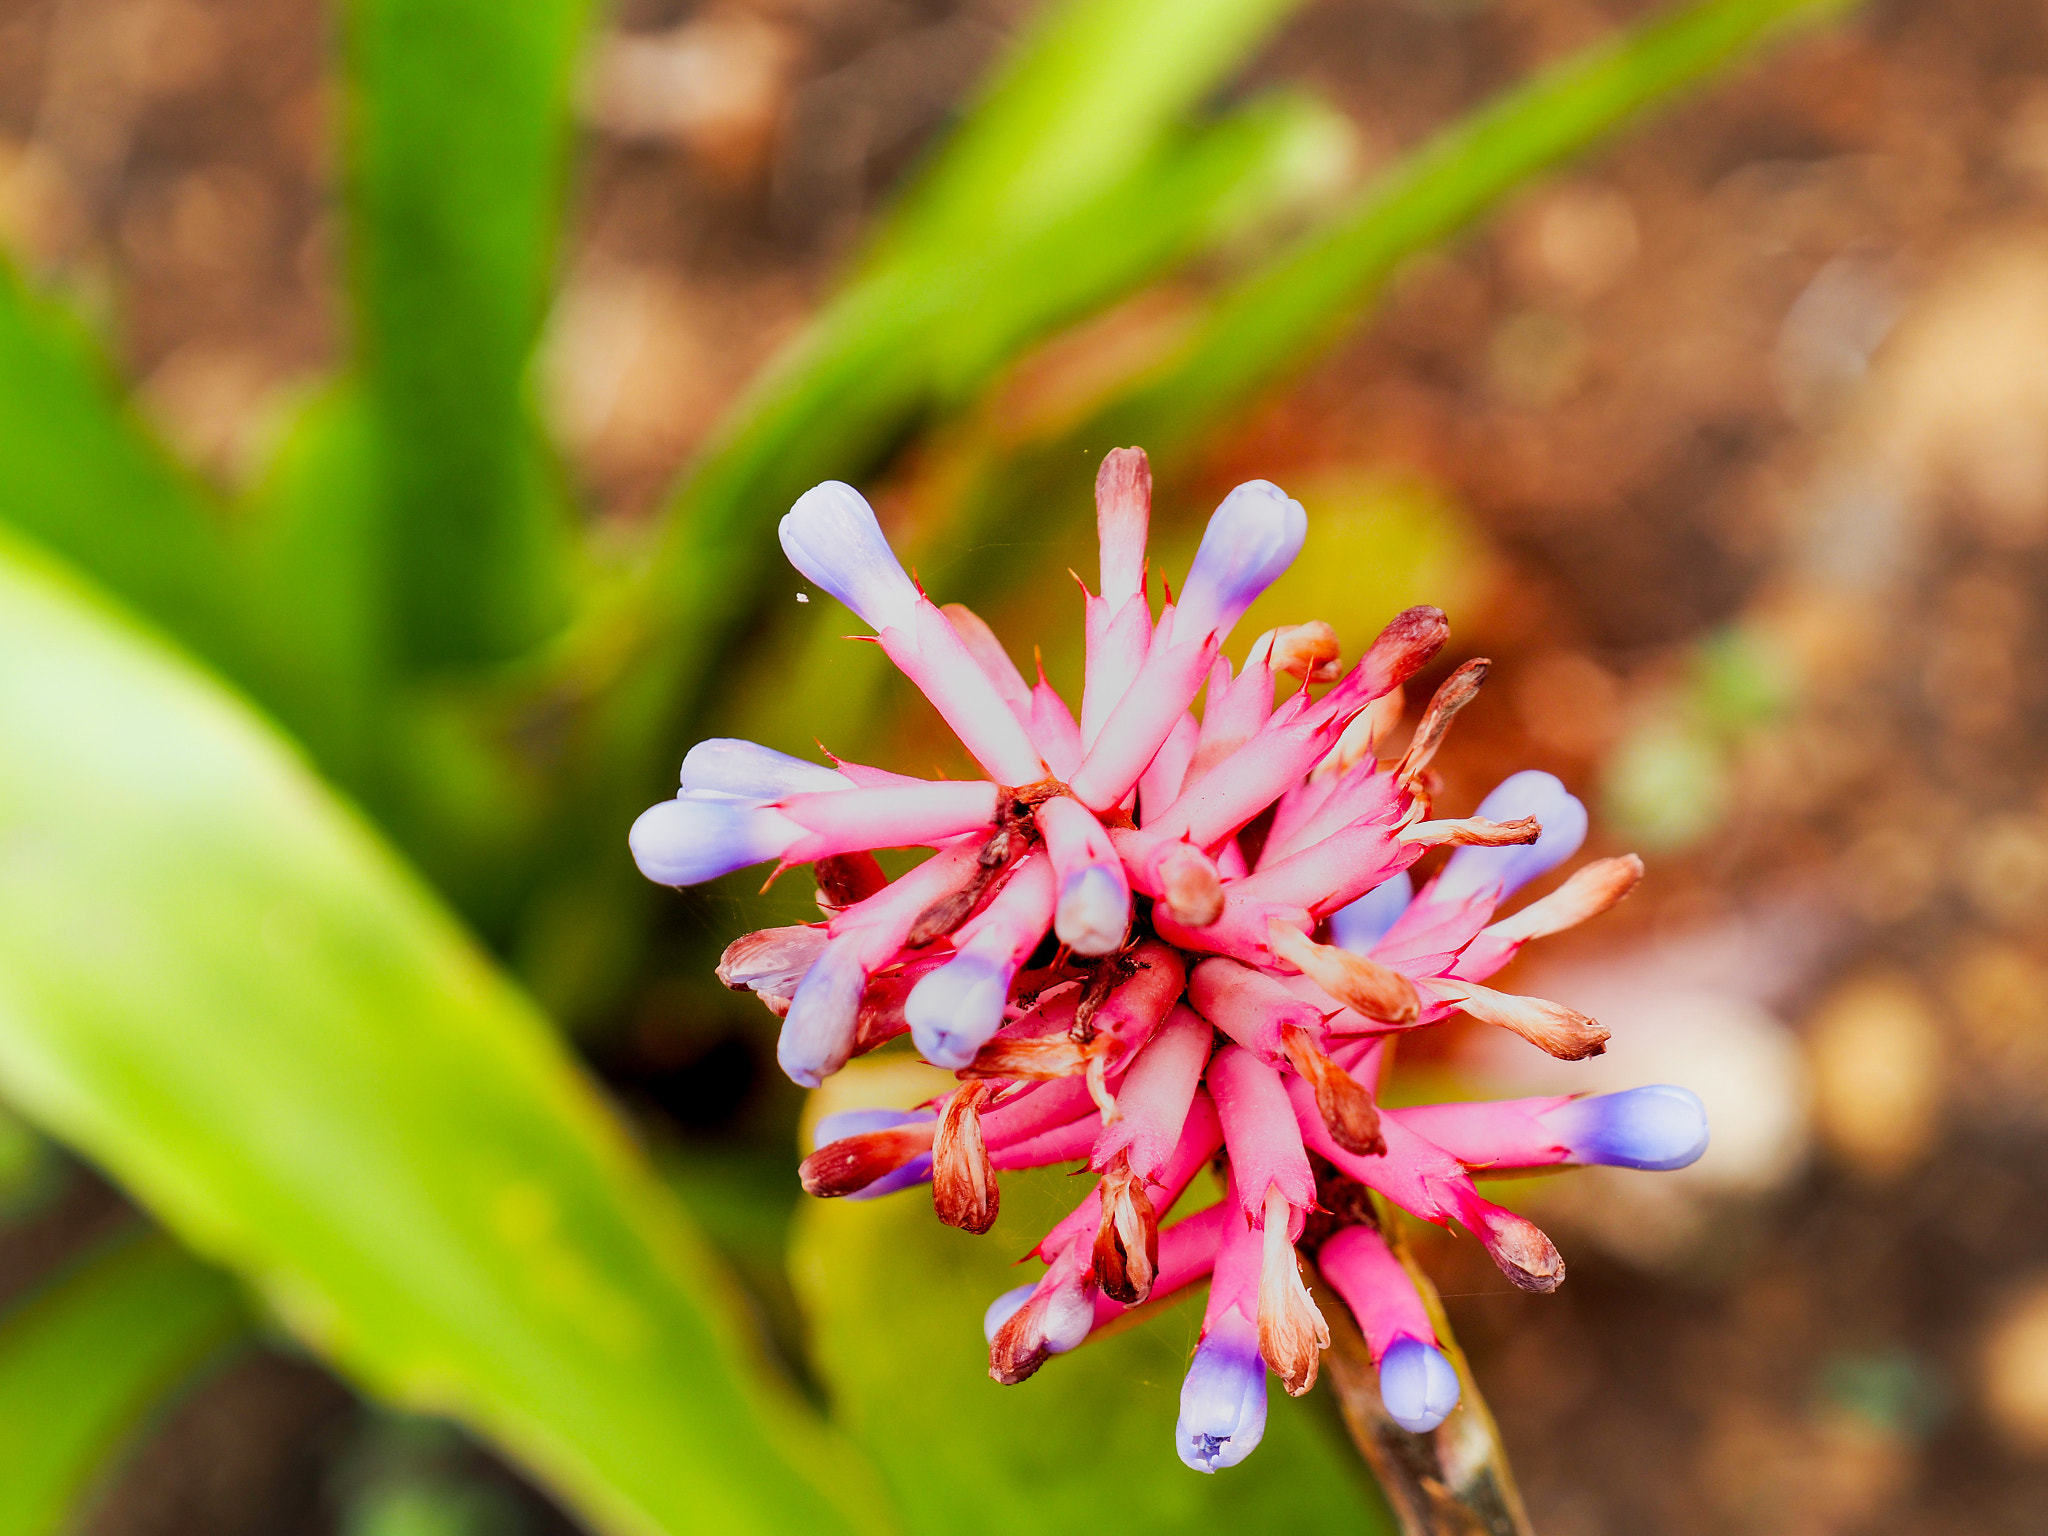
<point>2015,1370</point>
<point>1878,1072</point>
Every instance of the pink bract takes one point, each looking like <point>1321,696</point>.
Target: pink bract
<point>1173,947</point>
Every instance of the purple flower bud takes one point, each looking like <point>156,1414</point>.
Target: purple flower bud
<point>1529,793</point>
<point>856,1122</point>
<point>954,1010</point>
<point>1093,912</point>
<point>1251,538</point>
<point>1417,1385</point>
<point>817,1032</point>
<point>1223,1398</point>
<point>730,766</point>
<point>831,536</point>
<point>1365,922</point>
<point>701,835</point>
<point>1002,1309</point>
<point>1658,1128</point>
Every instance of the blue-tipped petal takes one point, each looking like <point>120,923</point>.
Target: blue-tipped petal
<point>1093,912</point>
<point>1251,538</point>
<point>693,838</point>
<point>1223,1399</point>
<point>1529,793</point>
<point>831,536</point>
<point>1417,1385</point>
<point>1002,1309</point>
<point>954,1010</point>
<point>817,1032</point>
<point>730,766</point>
<point>1657,1128</point>
<point>1365,922</point>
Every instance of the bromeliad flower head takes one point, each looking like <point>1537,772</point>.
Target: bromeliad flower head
<point>1156,942</point>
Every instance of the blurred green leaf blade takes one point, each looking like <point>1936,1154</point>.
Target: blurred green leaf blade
<point>895,1302</point>
<point>89,1357</point>
<point>311,563</point>
<point>81,475</point>
<point>1088,93</point>
<point>217,983</point>
<point>459,138</point>
<point>1202,187</point>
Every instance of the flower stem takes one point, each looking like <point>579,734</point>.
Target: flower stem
<point>1453,1481</point>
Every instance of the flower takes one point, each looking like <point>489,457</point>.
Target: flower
<point>1157,942</point>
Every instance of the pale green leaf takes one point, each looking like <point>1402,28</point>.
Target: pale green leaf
<point>217,983</point>
<point>79,473</point>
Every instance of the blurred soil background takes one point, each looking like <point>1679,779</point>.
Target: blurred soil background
<point>1732,444</point>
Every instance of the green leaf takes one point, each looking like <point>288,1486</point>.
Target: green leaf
<point>459,137</point>
<point>311,558</point>
<point>32,1170</point>
<point>1203,187</point>
<point>896,1301</point>
<point>88,1358</point>
<point>433,760</point>
<point>1089,92</point>
<point>80,473</point>
<point>218,984</point>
